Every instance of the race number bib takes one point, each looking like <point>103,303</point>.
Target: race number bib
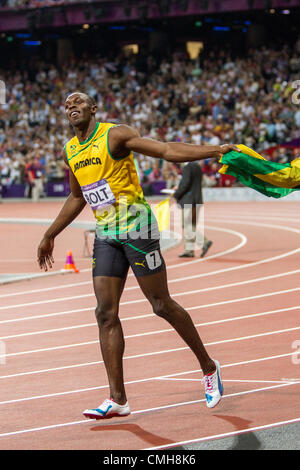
<point>98,195</point>
<point>153,259</point>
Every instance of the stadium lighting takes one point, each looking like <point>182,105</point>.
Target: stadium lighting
<point>32,43</point>
<point>221,28</point>
<point>131,49</point>
<point>23,35</point>
<point>194,48</point>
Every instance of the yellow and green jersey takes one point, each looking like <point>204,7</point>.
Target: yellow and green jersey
<point>109,185</point>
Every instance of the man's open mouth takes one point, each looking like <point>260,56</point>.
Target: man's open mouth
<point>74,114</point>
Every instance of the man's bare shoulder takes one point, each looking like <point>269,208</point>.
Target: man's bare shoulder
<point>124,132</point>
<point>119,137</point>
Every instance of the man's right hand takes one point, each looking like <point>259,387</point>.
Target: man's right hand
<point>45,250</point>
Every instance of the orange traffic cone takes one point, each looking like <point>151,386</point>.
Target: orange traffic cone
<point>70,265</point>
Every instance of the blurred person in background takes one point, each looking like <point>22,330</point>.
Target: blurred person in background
<point>5,176</point>
<point>35,178</point>
<point>189,197</point>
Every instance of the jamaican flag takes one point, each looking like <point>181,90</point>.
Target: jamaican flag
<point>269,178</point>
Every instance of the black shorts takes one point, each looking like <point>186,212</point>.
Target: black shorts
<point>112,257</point>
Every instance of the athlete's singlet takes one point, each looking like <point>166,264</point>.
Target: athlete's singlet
<point>109,185</point>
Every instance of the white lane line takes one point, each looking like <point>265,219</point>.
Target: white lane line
<point>265,278</point>
<point>255,224</point>
<point>181,373</point>
<point>231,380</point>
<point>85,364</point>
<point>85,343</point>
<point>139,317</point>
<point>290,380</point>
<point>29,260</point>
<point>243,242</point>
<point>226,434</point>
<point>48,301</point>
<point>179,280</point>
<point>233,268</point>
<point>281,217</point>
<point>68,312</point>
<point>47,289</point>
<point>223,253</point>
<point>101,387</point>
<point>206,289</point>
<point>149,410</point>
<point>216,255</point>
<point>47,315</point>
<point>213,343</point>
<point>242,299</point>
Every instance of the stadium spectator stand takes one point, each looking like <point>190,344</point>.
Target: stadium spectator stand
<point>210,100</point>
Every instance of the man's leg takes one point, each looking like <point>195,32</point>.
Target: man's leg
<point>110,268</point>
<point>155,288</point>
<point>108,291</point>
<point>145,258</point>
<point>201,239</point>
<point>34,193</point>
<point>189,235</point>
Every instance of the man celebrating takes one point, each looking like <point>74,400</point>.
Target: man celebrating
<point>103,174</point>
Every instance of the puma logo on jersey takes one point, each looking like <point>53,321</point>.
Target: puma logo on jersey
<point>140,264</point>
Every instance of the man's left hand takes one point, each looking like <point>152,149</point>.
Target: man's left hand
<point>225,148</point>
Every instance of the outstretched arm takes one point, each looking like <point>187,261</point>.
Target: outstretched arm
<point>71,208</point>
<point>123,139</point>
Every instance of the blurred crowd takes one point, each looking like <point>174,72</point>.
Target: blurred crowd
<point>35,3</point>
<point>211,100</point>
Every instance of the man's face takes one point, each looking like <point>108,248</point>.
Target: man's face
<point>78,109</point>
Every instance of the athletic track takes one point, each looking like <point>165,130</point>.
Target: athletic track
<point>244,297</point>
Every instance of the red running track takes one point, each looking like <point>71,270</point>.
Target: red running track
<point>243,297</point>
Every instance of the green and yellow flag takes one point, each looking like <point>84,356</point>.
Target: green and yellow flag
<point>269,178</point>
